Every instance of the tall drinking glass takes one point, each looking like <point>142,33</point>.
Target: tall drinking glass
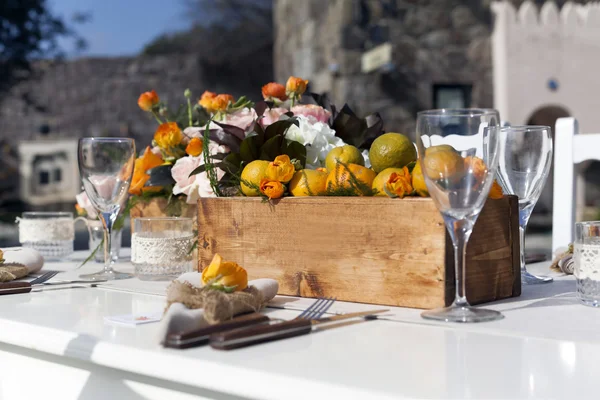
<point>452,144</point>
<point>106,168</point>
<point>525,156</point>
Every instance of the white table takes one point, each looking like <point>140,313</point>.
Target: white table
<point>56,345</point>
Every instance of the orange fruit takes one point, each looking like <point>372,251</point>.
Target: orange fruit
<point>308,182</point>
<point>352,180</point>
<point>444,163</point>
<point>391,150</point>
<point>346,154</point>
<point>252,174</point>
<point>418,181</point>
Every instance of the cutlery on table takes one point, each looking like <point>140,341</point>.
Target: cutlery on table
<point>243,337</point>
<point>44,277</point>
<point>26,287</point>
<point>201,336</point>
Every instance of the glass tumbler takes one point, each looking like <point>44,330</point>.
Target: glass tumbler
<point>162,248</point>
<point>50,233</point>
<point>586,254</point>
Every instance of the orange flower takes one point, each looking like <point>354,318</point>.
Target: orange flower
<point>295,87</point>
<point>148,100</point>
<point>221,102</point>
<point>281,169</point>
<point>496,191</point>
<point>399,185</point>
<point>274,90</point>
<point>168,135</point>
<point>194,147</point>
<point>225,274</point>
<point>476,166</point>
<point>147,161</point>
<point>206,100</point>
<point>271,189</point>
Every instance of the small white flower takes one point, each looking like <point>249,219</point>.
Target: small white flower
<point>317,137</point>
<point>365,154</point>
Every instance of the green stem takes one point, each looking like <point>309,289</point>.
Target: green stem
<point>189,103</point>
<point>157,118</point>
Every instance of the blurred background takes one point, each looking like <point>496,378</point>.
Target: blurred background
<point>75,68</point>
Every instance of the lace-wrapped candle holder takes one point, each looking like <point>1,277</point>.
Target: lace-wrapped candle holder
<point>50,233</point>
<point>162,248</point>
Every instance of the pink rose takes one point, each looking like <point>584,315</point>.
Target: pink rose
<point>310,110</point>
<point>104,185</point>
<point>198,185</point>
<point>243,118</point>
<point>272,115</point>
<point>84,202</point>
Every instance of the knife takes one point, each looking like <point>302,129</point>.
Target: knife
<point>247,336</point>
<point>26,287</point>
<point>197,337</point>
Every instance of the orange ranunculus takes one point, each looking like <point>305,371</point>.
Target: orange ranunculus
<point>496,191</point>
<point>476,166</point>
<point>274,90</point>
<point>271,188</point>
<point>194,147</point>
<point>226,274</point>
<point>281,169</point>
<point>295,87</point>
<point>206,100</point>
<point>221,102</point>
<point>168,135</point>
<point>148,100</point>
<point>399,185</point>
<point>147,161</point>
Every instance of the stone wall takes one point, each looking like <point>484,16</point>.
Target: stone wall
<point>434,42</point>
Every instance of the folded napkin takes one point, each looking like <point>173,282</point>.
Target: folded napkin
<point>19,262</point>
<point>191,307</point>
<point>563,261</point>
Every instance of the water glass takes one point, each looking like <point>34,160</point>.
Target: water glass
<point>162,248</point>
<point>50,233</point>
<point>96,231</point>
<point>586,254</point>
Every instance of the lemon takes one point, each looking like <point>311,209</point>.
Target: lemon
<point>444,163</point>
<point>308,182</point>
<point>346,154</point>
<point>382,178</point>
<point>391,150</point>
<point>253,173</point>
<point>352,180</point>
<point>418,181</point>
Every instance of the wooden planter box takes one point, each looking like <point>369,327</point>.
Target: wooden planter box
<point>363,249</point>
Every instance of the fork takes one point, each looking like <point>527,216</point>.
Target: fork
<point>44,277</point>
<point>317,309</point>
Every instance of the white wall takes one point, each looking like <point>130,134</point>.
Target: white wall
<point>530,47</point>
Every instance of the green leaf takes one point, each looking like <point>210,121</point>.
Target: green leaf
<point>278,128</point>
<point>232,163</point>
<point>295,150</point>
<point>272,148</point>
<point>232,130</point>
<point>250,149</point>
<point>222,137</point>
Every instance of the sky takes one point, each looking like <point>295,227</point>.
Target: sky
<point>121,27</point>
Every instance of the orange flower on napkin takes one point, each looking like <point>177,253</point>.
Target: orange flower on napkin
<point>225,275</point>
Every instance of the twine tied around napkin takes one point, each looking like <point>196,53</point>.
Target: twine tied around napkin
<point>563,261</point>
<point>11,270</point>
<point>218,306</point>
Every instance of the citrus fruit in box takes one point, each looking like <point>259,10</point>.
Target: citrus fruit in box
<point>418,181</point>
<point>444,163</point>
<point>350,180</point>
<point>381,179</point>
<point>391,150</point>
<point>346,154</point>
<point>252,174</point>
<point>308,182</point>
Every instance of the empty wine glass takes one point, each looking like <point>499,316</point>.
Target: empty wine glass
<point>525,155</point>
<point>106,168</point>
<point>452,144</point>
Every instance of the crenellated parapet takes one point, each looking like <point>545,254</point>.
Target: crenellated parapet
<point>570,17</point>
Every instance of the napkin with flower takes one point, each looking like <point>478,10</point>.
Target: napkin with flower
<point>218,294</point>
<point>18,262</point>
<point>563,260</point>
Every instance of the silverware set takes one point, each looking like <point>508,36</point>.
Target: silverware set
<point>40,283</point>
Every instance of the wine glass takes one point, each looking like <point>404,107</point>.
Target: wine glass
<point>106,168</point>
<point>525,155</point>
<point>452,144</point>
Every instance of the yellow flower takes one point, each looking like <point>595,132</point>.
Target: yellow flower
<point>206,100</point>
<point>271,189</point>
<point>496,191</point>
<point>194,147</point>
<point>399,185</point>
<point>295,87</point>
<point>274,90</point>
<point>281,169</point>
<point>148,100</point>
<point>147,161</point>
<point>225,273</point>
<point>168,135</point>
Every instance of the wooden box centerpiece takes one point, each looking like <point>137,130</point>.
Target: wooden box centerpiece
<point>363,249</point>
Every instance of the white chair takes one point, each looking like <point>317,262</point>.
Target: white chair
<point>570,148</point>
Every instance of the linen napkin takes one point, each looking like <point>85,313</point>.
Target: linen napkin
<point>19,262</point>
<point>179,317</point>
<point>563,260</point>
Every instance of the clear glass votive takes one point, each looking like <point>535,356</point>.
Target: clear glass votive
<point>586,254</point>
<point>50,233</point>
<point>162,248</point>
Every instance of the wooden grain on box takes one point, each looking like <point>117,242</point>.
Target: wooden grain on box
<point>362,249</point>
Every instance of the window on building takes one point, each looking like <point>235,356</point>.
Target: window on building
<point>44,177</point>
<point>57,175</point>
<point>452,96</point>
